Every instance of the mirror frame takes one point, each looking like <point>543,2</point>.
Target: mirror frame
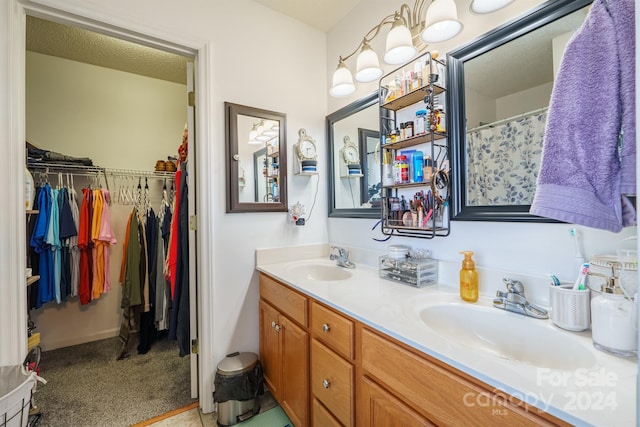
<point>344,112</point>
<point>363,135</point>
<point>232,111</point>
<point>257,169</point>
<point>537,17</point>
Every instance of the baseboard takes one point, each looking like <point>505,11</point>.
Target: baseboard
<point>52,344</point>
<point>167,415</point>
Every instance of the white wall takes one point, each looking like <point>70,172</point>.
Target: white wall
<point>533,249</point>
<point>524,101</point>
<point>119,120</point>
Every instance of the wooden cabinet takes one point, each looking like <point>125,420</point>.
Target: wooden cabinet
<point>438,392</point>
<point>327,369</point>
<point>332,364</point>
<point>379,408</point>
<point>284,348</point>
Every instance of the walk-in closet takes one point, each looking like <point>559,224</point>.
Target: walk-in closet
<point>107,147</point>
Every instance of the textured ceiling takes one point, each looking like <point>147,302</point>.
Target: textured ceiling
<point>521,64</point>
<point>77,44</point>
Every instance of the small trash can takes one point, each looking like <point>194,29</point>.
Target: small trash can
<point>238,383</point>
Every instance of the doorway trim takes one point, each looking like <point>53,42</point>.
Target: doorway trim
<point>80,16</point>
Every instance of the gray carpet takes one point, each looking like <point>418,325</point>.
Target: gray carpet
<point>87,386</point>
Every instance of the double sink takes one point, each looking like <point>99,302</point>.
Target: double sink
<point>479,326</point>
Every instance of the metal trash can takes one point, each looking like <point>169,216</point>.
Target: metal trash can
<point>238,383</point>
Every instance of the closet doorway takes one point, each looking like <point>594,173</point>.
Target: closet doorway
<point>92,95</point>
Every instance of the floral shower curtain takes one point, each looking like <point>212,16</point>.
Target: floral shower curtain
<point>503,161</point>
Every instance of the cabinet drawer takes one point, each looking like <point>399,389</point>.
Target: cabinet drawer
<point>321,417</point>
<point>332,329</point>
<point>332,382</point>
<point>287,301</point>
<point>440,395</point>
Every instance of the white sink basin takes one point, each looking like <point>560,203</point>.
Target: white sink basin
<point>507,335</point>
<point>320,272</point>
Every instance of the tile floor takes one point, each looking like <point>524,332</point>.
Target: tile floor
<point>195,418</point>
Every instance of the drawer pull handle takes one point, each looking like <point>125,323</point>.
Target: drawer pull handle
<point>277,328</point>
<point>273,324</point>
<point>326,383</point>
<point>326,328</point>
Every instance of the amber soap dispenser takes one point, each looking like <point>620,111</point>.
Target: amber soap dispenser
<point>468,278</point>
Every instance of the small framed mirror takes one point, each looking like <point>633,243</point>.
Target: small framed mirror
<point>256,159</point>
<point>353,195</point>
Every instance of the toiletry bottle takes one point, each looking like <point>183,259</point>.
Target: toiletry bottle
<point>468,278</point>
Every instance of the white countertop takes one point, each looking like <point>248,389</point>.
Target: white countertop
<point>601,392</point>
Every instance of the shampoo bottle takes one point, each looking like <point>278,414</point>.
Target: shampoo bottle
<point>468,278</point>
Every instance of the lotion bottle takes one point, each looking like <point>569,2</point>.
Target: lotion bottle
<point>468,278</point>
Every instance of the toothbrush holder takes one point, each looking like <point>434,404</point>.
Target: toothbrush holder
<point>570,309</point>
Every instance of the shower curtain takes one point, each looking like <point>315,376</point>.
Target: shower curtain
<point>503,161</point>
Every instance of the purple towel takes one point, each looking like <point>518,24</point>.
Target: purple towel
<point>587,167</point>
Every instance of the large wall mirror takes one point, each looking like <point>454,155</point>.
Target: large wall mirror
<point>499,91</point>
<point>355,195</point>
<point>256,159</point>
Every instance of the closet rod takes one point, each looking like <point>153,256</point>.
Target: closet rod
<point>139,173</point>
<point>80,170</point>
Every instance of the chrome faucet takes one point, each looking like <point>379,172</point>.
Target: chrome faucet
<point>515,301</point>
<point>342,258</point>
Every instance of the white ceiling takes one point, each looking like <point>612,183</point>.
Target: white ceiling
<point>322,15</point>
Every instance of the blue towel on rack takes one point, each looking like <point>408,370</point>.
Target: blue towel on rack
<point>589,152</point>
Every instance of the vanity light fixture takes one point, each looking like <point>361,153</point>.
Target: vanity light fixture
<point>429,21</point>
<point>262,132</point>
<point>441,22</point>
<point>488,6</point>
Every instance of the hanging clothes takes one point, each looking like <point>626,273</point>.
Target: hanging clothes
<point>67,230</point>
<point>163,287</point>
<point>46,290</point>
<point>97,252</point>
<point>74,249</point>
<point>106,238</point>
<point>84,243</point>
<point>53,240</point>
<point>179,327</point>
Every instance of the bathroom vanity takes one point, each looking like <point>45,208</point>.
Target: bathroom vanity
<point>346,348</point>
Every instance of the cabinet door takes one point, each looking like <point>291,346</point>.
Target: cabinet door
<point>270,348</point>
<point>332,382</point>
<point>321,417</point>
<point>294,396</point>
<point>378,408</point>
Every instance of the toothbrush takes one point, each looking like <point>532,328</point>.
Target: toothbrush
<point>554,279</point>
<point>579,258</point>
<point>582,275</point>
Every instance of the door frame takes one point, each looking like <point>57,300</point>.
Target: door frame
<point>80,16</point>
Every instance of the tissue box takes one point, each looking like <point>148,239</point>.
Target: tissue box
<point>414,272</point>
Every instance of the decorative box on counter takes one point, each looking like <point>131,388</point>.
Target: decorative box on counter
<point>411,271</point>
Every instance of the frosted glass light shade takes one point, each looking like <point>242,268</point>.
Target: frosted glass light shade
<point>441,22</point>
<point>342,82</point>
<point>255,142</point>
<point>367,65</point>
<point>263,138</point>
<point>488,6</point>
<point>399,47</point>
